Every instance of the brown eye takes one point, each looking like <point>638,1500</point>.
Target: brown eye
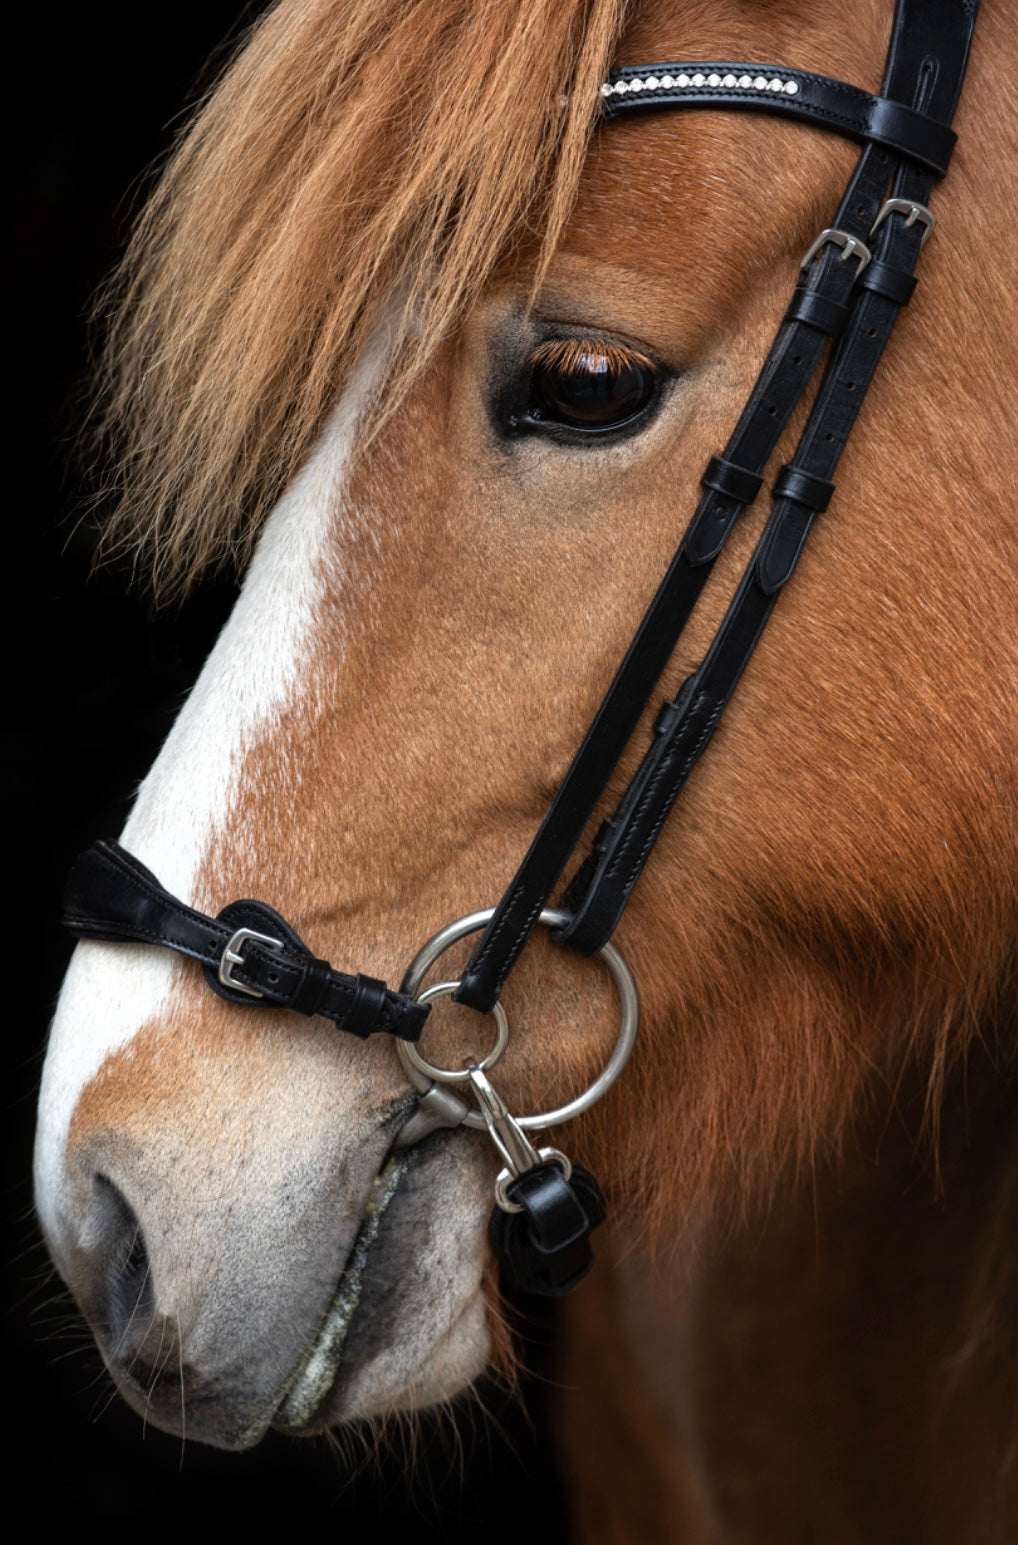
<point>589,386</point>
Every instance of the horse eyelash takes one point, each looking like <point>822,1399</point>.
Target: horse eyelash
<point>570,355</point>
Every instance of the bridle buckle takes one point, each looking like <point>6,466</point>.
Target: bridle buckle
<point>231,957</point>
<point>852,246</point>
<point>912,212</point>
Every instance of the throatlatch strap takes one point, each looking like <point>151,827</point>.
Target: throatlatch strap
<point>923,75</point>
<point>251,955</point>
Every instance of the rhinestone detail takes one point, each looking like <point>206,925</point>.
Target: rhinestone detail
<point>772,84</point>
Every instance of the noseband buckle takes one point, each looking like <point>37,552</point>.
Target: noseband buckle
<point>232,957</point>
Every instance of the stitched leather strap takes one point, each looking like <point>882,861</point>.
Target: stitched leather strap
<point>767,88</point>
<point>110,895</point>
<point>924,72</point>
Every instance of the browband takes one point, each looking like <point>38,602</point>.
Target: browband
<point>793,93</point>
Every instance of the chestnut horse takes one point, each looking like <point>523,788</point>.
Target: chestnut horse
<point>389,227</point>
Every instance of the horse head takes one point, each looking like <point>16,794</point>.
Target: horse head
<point>446,355</point>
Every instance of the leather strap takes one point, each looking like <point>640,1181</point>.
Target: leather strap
<point>767,88</point>
<point>545,1249</point>
<point>924,71</point>
<point>110,895</point>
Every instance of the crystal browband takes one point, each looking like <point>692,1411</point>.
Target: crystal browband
<point>819,99</point>
<point>683,82</point>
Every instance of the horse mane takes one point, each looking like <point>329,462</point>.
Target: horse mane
<point>350,154</point>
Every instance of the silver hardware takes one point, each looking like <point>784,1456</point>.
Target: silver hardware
<point>232,957</point>
<point>511,1141</point>
<point>427,1070</point>
<point>629,1003</point>
<point>517,1150</point>
<point>437,1107</point>
<point>851,247</point>
<point>912,212</point>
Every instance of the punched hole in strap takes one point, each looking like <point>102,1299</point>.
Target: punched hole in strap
<point>792,483</point>
<point>726,477</point>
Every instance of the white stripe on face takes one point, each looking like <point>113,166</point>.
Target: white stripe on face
<point>254,671</point>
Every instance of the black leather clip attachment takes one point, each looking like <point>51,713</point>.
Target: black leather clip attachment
<point>544,1249</point>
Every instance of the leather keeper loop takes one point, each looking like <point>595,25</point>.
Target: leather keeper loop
<point>912,133</point>
<point>827,316</point>
<point>889,282</point>
<point>367,1005</point>
<point>309,994</point>
<point>792,483</point>
<point>726,478</point>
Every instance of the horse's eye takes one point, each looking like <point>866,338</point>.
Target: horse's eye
<point>589,386</point>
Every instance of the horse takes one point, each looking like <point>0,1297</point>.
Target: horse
<point>436,356</point>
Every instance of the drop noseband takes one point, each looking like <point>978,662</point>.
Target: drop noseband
<point>851,285</point>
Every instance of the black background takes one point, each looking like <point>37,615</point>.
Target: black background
<point>93,680</point>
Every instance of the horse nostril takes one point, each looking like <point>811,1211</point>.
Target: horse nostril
<point>123,1292</point>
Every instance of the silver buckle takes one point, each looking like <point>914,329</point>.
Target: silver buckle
<point>912,212</point>
<point>232,957</point>
<point>852,246</point>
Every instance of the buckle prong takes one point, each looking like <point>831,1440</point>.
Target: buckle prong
<point>852,246</point>
<point>912,212</point>
<point>231,957</point>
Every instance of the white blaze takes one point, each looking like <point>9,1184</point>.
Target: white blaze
<point>111,990</point>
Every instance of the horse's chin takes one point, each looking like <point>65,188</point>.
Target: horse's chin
<point>407,1326</point>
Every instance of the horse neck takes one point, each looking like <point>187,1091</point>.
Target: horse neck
<point>840,1364</point>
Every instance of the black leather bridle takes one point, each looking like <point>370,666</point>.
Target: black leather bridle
<point>851,285</point>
